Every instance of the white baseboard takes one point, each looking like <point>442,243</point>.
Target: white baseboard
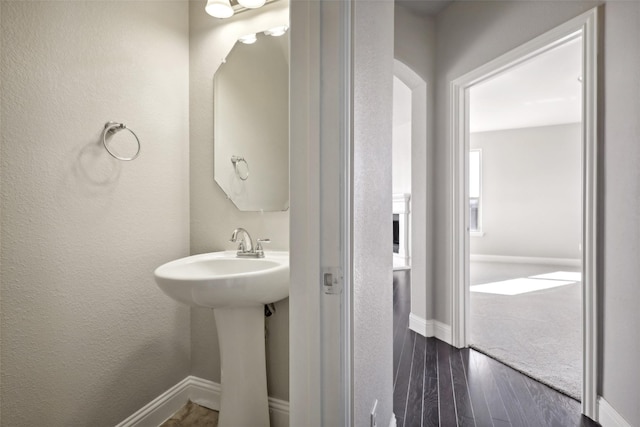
<point>203,392</point>
<point>419,325</point>
<point>278,412</point>
<point>442,331</point>
<point>430,328</point>
<point>609,417</point>
<point>563,262</point>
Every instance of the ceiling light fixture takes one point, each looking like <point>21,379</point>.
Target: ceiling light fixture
<point>276,31</point>
<point>248,39</point>
<point>219,8</point>
<point>251,4</point>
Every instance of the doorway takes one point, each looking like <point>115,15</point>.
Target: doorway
<point>412,206</point>
<point>401,174</point>
<point>525,217</point>
<point>584,27</point>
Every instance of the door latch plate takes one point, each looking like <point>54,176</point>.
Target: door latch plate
<point>332,280</point>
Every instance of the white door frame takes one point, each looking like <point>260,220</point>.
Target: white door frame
<point>320,329</point>
<point>587,25</point>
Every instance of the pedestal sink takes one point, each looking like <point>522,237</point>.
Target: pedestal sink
<point>236,289</point>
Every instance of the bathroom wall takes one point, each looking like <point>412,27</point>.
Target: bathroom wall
<point>531,192</point>
<point>414,46</point>
<point>213,217</point>
<point>470,34</point>
<point>87,337</point>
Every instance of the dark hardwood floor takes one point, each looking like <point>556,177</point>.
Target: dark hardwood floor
<point>438,385</point>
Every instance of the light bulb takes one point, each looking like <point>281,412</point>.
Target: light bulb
<point>276,31</point>
<point>219,8</point>
<point>248,39</point>
<point>251,4</point>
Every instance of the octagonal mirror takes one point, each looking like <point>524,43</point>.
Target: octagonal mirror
<point>251,124</point>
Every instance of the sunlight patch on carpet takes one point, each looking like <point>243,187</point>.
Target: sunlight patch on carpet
<point>574,276</point>
<point>519,286</point>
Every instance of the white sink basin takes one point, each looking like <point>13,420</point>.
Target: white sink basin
<point>220,279</point>
<point>236,289</point>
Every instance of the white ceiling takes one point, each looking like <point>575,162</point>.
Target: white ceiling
<point>543,91</point>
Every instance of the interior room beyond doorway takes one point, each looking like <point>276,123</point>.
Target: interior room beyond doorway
<point>525,217</point>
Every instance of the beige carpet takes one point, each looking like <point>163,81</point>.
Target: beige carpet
<point>538,333</point>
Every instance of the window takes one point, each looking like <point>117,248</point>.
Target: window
<point>475,175</point>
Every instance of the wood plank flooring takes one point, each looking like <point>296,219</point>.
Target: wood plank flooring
<point>438,385</point>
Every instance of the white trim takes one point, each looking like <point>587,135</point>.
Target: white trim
<point>420,220</point>
<point>304,271</point>
<point>399,264</point>
<point>161,408</point>
<point>203,392</point>
<point>430,328</point>
<point>402,208</point>
<point>609,417</point>
<point>420,326</point>
<point>278,412</point>
<point>590,214</point>
<point>566,262</point>
<point>442,331</point>
<point>587,25</point>
<point>401,203</point>
<point>401,261</point>
<point>393,422</point>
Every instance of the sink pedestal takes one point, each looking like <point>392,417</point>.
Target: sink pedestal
<point>244,398</point>
<point>237,289</point>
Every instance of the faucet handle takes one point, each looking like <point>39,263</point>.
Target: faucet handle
<point>260,242</point>
<point>259,248</point>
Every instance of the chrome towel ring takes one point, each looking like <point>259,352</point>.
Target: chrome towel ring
<point>110,129</point>
<point>236,160</point>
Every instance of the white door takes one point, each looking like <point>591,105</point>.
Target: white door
<point>320,378</point>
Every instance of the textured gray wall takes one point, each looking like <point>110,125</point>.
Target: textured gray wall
<point>531,197</point>
<point>1,139</point>
<point>372,262</point>
<point>213,217</point>
<point>470,34</point>
<point>87,336</point>
<point>621,241</point>
<point>414,46</point>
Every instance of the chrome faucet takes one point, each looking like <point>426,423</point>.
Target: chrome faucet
<point>245,248</point>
